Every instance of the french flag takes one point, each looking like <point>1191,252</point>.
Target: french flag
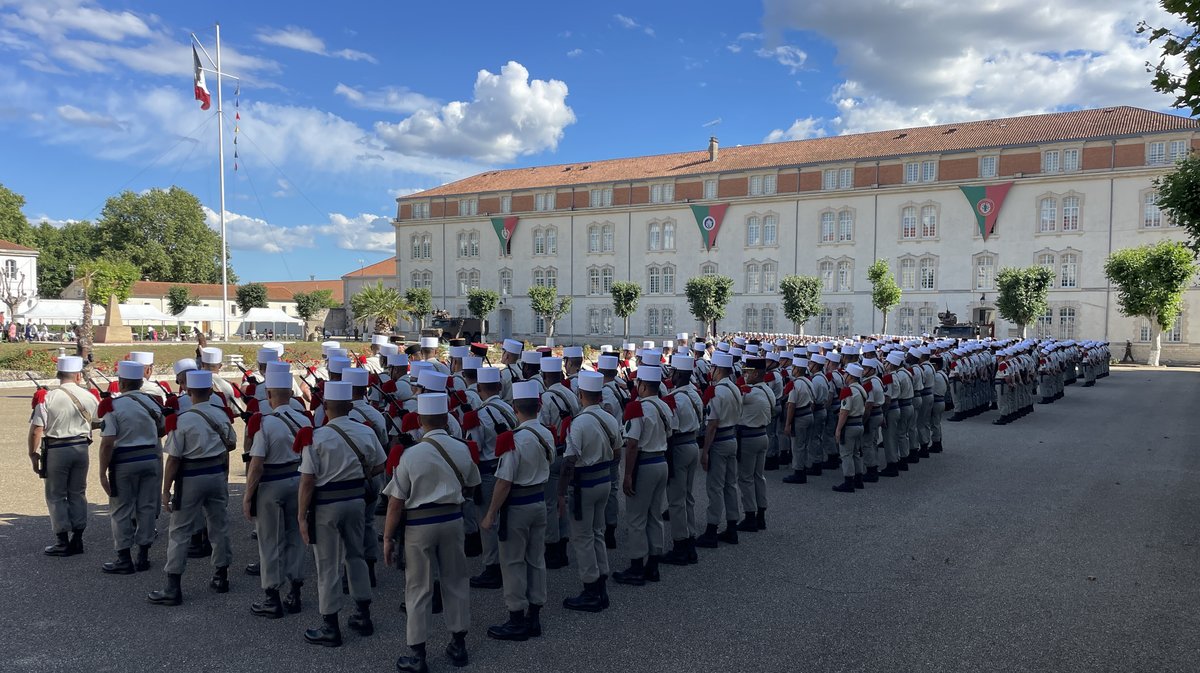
<point>201,87</point>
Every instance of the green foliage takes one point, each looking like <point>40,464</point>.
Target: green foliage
<point>801,298</point>
<point>13,225</point>
<point>1179,198</point>
<point>63,251</point>
<point>420,301</point>
<point>103,278</point>
<point>310,304</point>
<point>545,302</point>
<point>380,304</point>
<point>179,298</point>
<point>251,295</point>
<point>885,292</point>
<point>708,297</point>
<point>1022,293</point>
<point>481,303</point>
<point>1151,280</point>
<point>625,301</point>
<point>1182,47</point>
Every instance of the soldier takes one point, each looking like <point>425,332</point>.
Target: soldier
<point>210,360</point>
<point>336,366</point>
<point>149,385</point>
<point>374,362</point>
<point>872,418</point>
<point>850,429</point>
<point>270,500</point>
<point>558,406</point>
<point>798,417</point>
<point>429,348</point>
<point>592,441</point>
<point>61,428</point>
<point>822,395</point>
<point>425,497</point>
<point>198,444</point>
<point>758,406</point>
<point>456,354</point>
<point>685,458</point>
<point>891,420</point>
<point>718,452</point>
<point>531,369</point>
<point>926,411</point>
<point>337,465</point>
<point>572,364</point>
<point>649,423</point>
<point>517,510</point>
<point>701,371</point>
<point>941,385</point>
<point>484,426</point>
<point>131,469</point>
<point>613,400</point>
<point>510,371</point>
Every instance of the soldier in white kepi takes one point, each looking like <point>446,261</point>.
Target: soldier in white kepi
<point>718,452</point>
<point>60,431</point>
<point>684,453</point>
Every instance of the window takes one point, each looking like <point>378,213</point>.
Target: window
<point>752,279</point>
<point>606,320</point>
<point>908,273</point>
<point>828,233</point>
<point>422,279</point>
<point>593,320</point>
<point>770,230</point>
<point>593,281</point>
<point>539,324</point>
<point>908,222</point>
<point>924,320</point>
<point>506,204</point>
<point>825,269</point>
<point>539,278</point>
<point>928,171</point>
<point>985,272</point>
<point>463,283</point>
<point>1051,161</point>
<point>539,241</point>
<point>845,226</point>
<point>762,185</point>
<point>829,179</point>
<point>1175,334</point>
<point>473,279</point>
<point>710,189</point>
<point>1066,322</point>
<point>928,273</point>
<point>987,166</point>
<point>416,247</point>
<point>770,273</point>
<point>543,201</point>
<point>606,280</point>
<point>663,193</point>
<point>607,234</point>
<point>907,318</point>
<point>668,320</point>
<point>552,241</point>
<point>422,246</point>
<point>1068,276</point>
<point>600,198</point>
<point>653,280</point>
<point>1151,214</point>
<point>1070,213</point>
<point>845,178</point>
<point>660,279</point>
<point>468,244</point>
<point>845,276</point>
<point>1048,209</point>
<point>655,235</point>
<point>825,321</point>
<point>920,171</point>
<point>600,320</point>
<point>1070,160</point>
<point>1156,153</point>
<point>1045,324</point>
<point>768,319</point>
<point>1177,150</point>
<point>551,277</point>
<point>842,321</point>
<point>468,207</point>
<point>753,232</point>
<point>912,172</point>
<point>668,279</point>
<point>10,268</point>
<point>505,282</point>
<point>708,269</point>
<point>420,211</point>
<point>652,321</point>
<point>594,238</point>
<point>929,216</point>
<point>750,319</point>
<point>668,235</point>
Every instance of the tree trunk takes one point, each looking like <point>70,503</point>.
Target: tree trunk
<point>1155,343</point>
<point>83,342</point>
<point>550,333</point>
<point>883,330</point>
<point>382,326</point>
<point>1021,329</point>
<point>626,337</point>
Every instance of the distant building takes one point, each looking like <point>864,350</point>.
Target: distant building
<point>352,283</point>
<point>18,279</point>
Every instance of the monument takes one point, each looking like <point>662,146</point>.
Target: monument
<point>113,330</point>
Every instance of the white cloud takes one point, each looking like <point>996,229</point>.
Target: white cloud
<point>46,18</point>
<point>711,123</point>
<point>388,99</point>
<point>303,39</point>
<point>77,117</point>
<point>631,24</point>
<point>574,53</point>
<point>257,235</point>
<point>509,116</point>
<point>801,129</point>
<point>284,188</point>
<point>363,232</point>
<point>961,61</point>
<point>736,45</point>
<point>57,224</point>
<point>786,55</point>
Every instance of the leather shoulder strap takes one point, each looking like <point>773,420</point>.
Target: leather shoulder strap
<point>462,483</point>
<point>545,447</point>
<point>362,459</point>
<point>78,405</point>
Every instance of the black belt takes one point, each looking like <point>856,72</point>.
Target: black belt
<point>134,453</point>
<point>196,467</point>
<point>748,432</point>
<point>339,491</point>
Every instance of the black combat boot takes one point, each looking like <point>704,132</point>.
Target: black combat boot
<point>730,534</point>
<point>708,539</point>
<point>122,566</point>
<point>603,585</point>
<point>858,482</point>
<point>533,620</point>
<point>360,622</point>
<point>588,600</point>
<point>913,457</point>
<point>75,546</point>
<point>924,451</point>
<point>761,517</point>
<point>902,464</point>
<point>555,557</point>
<point>415,663</point>
<point>749,524</point>
<point>651,572</point>
<point>890,471</point>
<point>796,477</point>
<point>292,603</point>
<point>143,558</point>
<point>610,537</point>
<point>60,548</point>
<point>456,649</point>
<point>490,578</point>
<point>253,569</point>
<point>936,447</point>
<point>785,457</point>
<point>691,551</point>
<point>270,607</point>
<point>872,475</point>
<point>814,471</point>
<point>172,595</point>
<point>329,635</point>
<point>847,486</point>
<point>514,629</point>
<point>771,463</point>
<point>678,554</point>
<point>634,576</point>
<point>220,580</point>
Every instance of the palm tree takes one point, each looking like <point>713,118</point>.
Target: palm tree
<point>379,303</point>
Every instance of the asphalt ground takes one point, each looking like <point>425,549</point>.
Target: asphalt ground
<point>1066,541</point>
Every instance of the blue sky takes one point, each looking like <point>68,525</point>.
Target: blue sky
<point>345,108</point>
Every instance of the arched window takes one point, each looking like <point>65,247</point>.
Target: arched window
<point>505,282</point>
<point>668,321</point>
<point>908,273</point>
<point>845,275</point>
<point>593,320</point>
<point>668,279</point>
<point>825,321</point>
<point>929,222</point>
<point>828,232</point>
<point>1045,324</point>
<point>655,237</point>
<point>1066,322</point>
<point>768,320</point>
<point>925,320</point>
<point>551,277</point>
<point>845,226</point>
<point>427,246</point>
<point>473,280</point>
<point>928,273</point>
<point>607,233</point>
<point>752,279</point>
<point>463,282</point>
<point>668,235</point>
<point>606,321</point>
<point>708,269</point>
<point>1048,218</point>
<point>825,269</point>
<point>606,280</point>
<point>539,241</point>
<point>753,234</point>
<point>1151,214</point>
<point>769,275</point>
<point>985,272</point>
<point>10,268</point>
<point>593,280</point>
<point>908,222</point>
<point>416,279</point>
<point>842,321</point>
<point>463,248</point>
<point>653,280</point>
<point>750,320</point>
<point>1070,213</point>
<point>1068,276</point>
<point>594,240</point>
<point>539,277</point>
<point>552,241</point>
<point>907,318</point>
<point>652,321</point>
<point>770,230</point>
<point>416,246</point>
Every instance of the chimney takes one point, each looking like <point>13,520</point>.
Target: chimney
<point>712,148</point>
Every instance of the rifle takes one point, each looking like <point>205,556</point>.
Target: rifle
<point>41,461</point>
<point>388,417</point>
<point>29,375</point>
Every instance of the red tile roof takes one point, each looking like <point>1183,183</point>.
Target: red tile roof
<point>385,268</point>
<point>15,247</point>
<point>1103,123</point>
<point>276,291</point>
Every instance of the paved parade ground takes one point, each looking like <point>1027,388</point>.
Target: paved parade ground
<point>1066,541</point>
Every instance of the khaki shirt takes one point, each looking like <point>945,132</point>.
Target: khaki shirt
<point>558,404</point>
<point>801,394</point>
<point>689,409</point>
<point>527,461</point>
<point>363,412</point>
<point>58,414</point>
<point>725,404</point>
<point>820,390</point>
<point>854,400</point>
<point>594,436</point>
<point>423,477</point>
<point>193,437</point>
<point>481,425</point>
<point>130,423</point>
<point>904,384</point>
<point>276,437</point>
<point>758,406</point>
<point>614,398</point>
<point>649,422</point>
<point>328,458</point>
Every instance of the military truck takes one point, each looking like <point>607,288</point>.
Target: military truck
<point>951,328</point>
<point>471,329</point>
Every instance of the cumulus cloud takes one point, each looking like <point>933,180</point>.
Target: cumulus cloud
<point>509,116</point>
<point>736,45</point>
<point>961,61</point>
<point>303,39</point>
<point>362,232</point>
<point>78,117</point>
<point>630,24</point>
<point>244,232</point>
<point>801,129</point>
<point>387,99</point>
<point>786,55</point>
<point>575,52</point>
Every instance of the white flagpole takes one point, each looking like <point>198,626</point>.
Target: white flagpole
<point>221,162</point>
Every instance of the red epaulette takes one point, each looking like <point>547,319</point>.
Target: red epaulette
<point>474,449</point>
<point>505,443</point>
<point>253,426</point>
<point>252,405</point>
<point>632,410</point>
<point>470,420</point>
<point>251,388</point>
<point>744,388</point>
<point>393,458</point>
<point>787,390</point>
<point>114,387</point>
<point>106,405</point>
<point>303,438</point>
<point>769,377</point>
<point>845,393</point>
<point>867,386</point>
<point>39,397</point>
<point>741,381</point>
<point>887,379</point>
<point>389,387</point>
<point>709,393</point>
<point>410,422</point>
<point>395,410</point>
<point>171,424</point>
<point>667,384</point>
<point>829,376</point>
<point>95,393</point>
<point>373,379</point>
<point>165,386</point>
<point>670,402</point>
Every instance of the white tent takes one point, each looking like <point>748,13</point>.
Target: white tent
<point>199,314</point>
<point>255,317</point>
<point>143,313</point>
<point>59,312</point>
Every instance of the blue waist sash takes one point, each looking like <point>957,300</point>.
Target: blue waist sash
<point>134,453</point>
<point>339,491</point>
<point>432,513</point>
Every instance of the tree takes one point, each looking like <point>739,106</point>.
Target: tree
<point>1180,50</point>
<point>481,303</point>
<point>179,298</point>
<point>885,293</point>
<point>1179,198</point>
<point>420,301</point>
<point>14,227</point>
<point>310,304</point>
<point>546,303</point>
<point>1022,294</point>
<point>251,295</point>
<point>801,299</point>
<point>625,301</point>
<point>108,279</point>
<point>1150,282</point>
<point>380,304</point>
<point>708,296</point>
<point>164,233</point>
<point>64,250</point>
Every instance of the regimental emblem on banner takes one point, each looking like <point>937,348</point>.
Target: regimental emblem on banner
<point>986,202</point>
<point>708,218</point>
<point>505,227</point>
